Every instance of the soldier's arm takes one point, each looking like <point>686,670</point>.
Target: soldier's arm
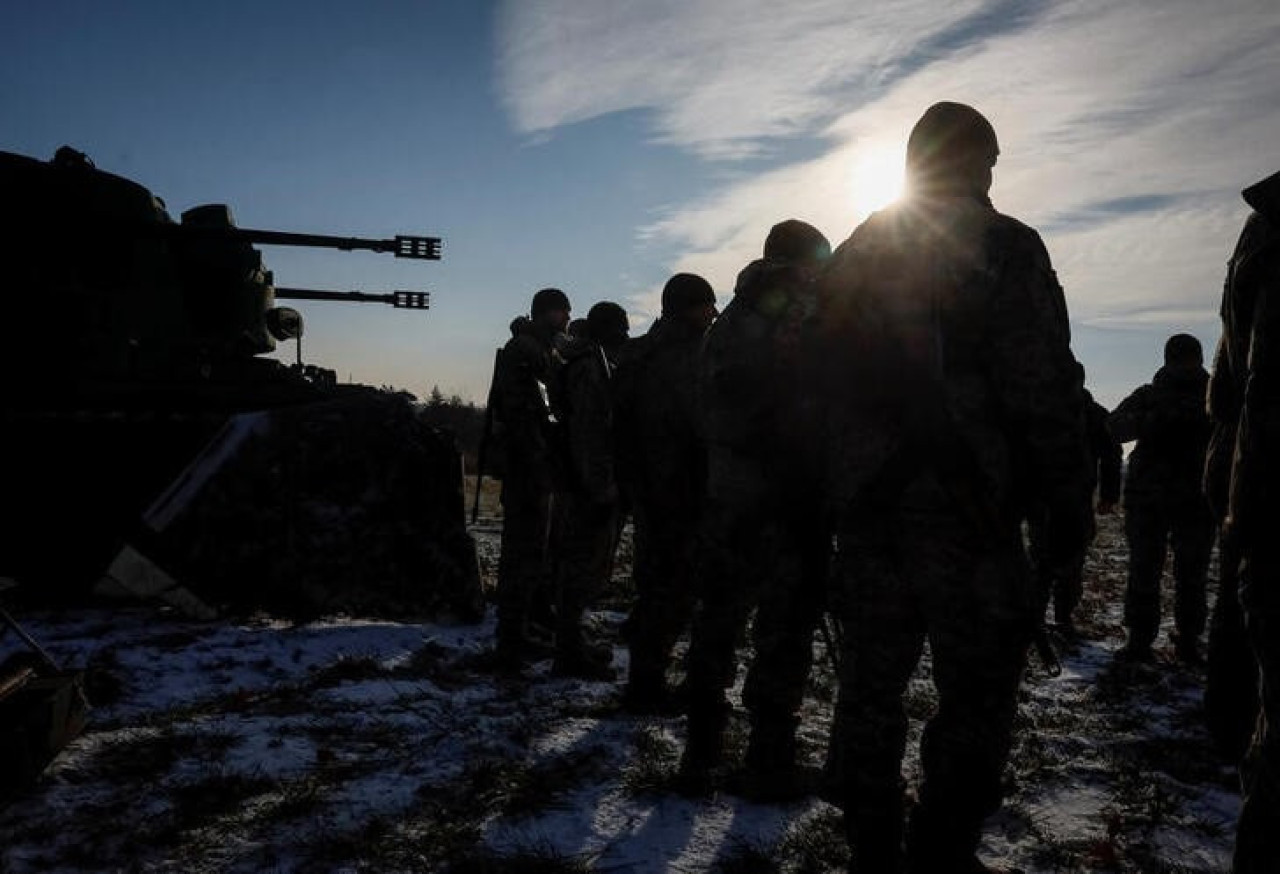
<point>520,402</point>
<point>1035,373</point>
<point>1126,419</point>
<point>590,429</point>
<point>1106,449</point>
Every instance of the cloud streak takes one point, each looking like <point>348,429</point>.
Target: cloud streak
<point>1127,129</point>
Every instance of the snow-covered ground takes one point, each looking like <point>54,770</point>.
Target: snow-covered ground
<point>352,745</point>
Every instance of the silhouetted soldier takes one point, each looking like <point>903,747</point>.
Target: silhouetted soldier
<point>526,423</point>
<point>662,465</point>
<point>1245,402</point>
<point>953,400</point>
<point>587,504</point>
<point>1163,502</point>
<point>762,534</point>
<point>1062,581</point>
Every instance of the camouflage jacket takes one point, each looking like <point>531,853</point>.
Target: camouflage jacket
<point>524,422</point>
<point>661,456</point>
<point>1167,417</point>
<point>747,379</point>
<point>1244,395</point>
<point>584,402</point>
<point>942,341</point>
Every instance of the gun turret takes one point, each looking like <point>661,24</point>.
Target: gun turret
<point>139,298</point>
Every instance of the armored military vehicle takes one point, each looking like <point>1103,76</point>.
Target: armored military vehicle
<point>146,438</point>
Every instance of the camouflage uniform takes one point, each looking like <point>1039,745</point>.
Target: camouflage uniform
<point>524,422</point>
<point>662,464</point>
<point>1246,405</point>
<point>953,402</point>
<point>1063,581</point>
<point>1164,505</point>
<point>587,505</point>
<point>763,540</point>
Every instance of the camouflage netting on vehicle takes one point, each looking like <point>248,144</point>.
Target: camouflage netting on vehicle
<point>349,505</point>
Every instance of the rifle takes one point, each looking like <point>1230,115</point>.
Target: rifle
<point>482,454</point>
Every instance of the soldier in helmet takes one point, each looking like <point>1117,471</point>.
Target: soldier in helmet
<point>662,464</point>
<point>1163,502</point>
<point>763,541</point>
<point>952,400</point>
<point>524,419</point>
<point>1242,479</point>
<point>587,504</point>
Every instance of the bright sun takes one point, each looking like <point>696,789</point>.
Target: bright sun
<point>877,177</point>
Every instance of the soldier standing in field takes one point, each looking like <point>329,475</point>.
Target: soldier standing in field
<point>1163,502</point>
<point>1063,582</point>
<point>526,426</point>
<point>587,505</point>
<point>763,541</point>
<point>1243,478</point>
<point>953,402</point>
<point>662,467</point>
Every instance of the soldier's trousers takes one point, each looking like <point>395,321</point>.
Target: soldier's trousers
<point>1060,580</point>
<point>910,574</point>
<point>665,546</point>
<point>1152,528</point>
<point>769,556</point>
<point>1258,835</point>
<point>1231,681</point>
<point>584,541</point>
<point>522,565</point>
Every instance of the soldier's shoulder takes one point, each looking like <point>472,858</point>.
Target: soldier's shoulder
<point>1015,236</point>
<point>523,348</point>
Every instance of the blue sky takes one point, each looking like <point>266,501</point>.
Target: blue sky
<point>600,145</point>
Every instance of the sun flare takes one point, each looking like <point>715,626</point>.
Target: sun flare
<point>877,176</point>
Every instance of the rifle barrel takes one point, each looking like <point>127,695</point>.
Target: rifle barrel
<point>402,246</point>
<point>405,300</point>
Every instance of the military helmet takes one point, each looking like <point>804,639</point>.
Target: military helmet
<point>1183,349</point>
<point>794,240</point>
<point>607,323</point>
<point>951,137</point>
<point>684,291</point>
<point>549,299</point>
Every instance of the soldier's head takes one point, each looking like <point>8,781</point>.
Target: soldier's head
<point>796,242</point>
<point>607,324</point>
<point>550,309</point>
<point>689,299</point>
<point>1183,351</point>
<point>952,149</point>
<point>577,329</point>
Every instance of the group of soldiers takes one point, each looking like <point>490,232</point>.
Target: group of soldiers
<point>864,434</point>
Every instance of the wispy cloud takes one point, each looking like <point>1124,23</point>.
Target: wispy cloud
<point>1127,128</point>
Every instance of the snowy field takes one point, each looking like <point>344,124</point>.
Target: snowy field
<point>352,745</point>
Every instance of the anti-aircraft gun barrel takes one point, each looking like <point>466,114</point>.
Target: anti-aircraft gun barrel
<point>401,300</point>
<point>401,245</point>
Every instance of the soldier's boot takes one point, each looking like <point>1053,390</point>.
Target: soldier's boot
<point>942,844</point>
<point>647,692</point>
<point>576,657</point>
<point>1186,648</point>
<point>771,773</point>
<point>704,748</point>
<point>1137,647</point>
<point>875,838</point>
